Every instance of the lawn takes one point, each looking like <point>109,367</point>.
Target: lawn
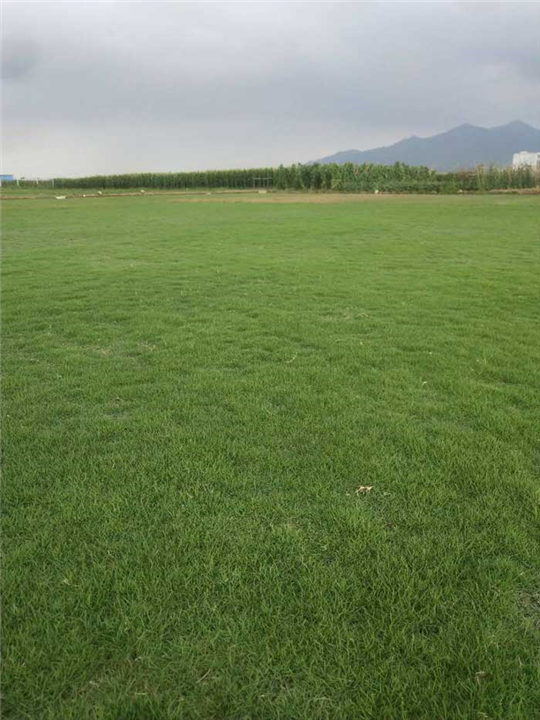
<point>193,394</point>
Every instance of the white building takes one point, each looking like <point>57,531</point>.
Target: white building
<point>526,159</point>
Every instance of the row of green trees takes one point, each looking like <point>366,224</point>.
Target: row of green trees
<point>345,178</point>
<point>492,178</point>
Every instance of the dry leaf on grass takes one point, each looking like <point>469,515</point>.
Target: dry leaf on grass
<point>364,489</point>
<point>481,675</point>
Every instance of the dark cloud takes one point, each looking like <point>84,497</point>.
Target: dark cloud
<point>107,87</point>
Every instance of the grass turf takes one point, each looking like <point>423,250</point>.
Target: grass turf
<point>193,393</point>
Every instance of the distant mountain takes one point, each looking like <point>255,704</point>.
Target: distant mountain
<point>462,147</point>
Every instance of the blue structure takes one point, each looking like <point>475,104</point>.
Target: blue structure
<point>7,178</point>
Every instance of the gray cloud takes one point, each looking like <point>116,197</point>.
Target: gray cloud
<point>19,57</point>
<point>111,87</point>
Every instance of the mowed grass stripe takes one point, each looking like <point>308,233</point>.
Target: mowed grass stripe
<point>193,392</point>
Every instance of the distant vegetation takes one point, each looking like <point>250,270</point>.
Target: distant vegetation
<point>397,178</point>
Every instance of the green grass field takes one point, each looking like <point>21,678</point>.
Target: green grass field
<point>193,394</point>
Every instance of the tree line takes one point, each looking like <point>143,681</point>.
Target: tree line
<point>332,177</point>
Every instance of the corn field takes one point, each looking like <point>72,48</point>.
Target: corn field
<point>397,178</point>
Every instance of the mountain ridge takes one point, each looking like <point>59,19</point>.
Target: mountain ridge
<point>461,147</point>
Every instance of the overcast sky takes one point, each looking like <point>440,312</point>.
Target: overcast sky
<point>106,87</point>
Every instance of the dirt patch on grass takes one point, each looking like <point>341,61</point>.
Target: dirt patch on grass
<point>530,604</point>
<point>245,196</point>
<point>516,191</point>
<point>316,198</point>
<point>251,196</point>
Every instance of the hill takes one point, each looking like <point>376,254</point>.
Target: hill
<point>464,146</point>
